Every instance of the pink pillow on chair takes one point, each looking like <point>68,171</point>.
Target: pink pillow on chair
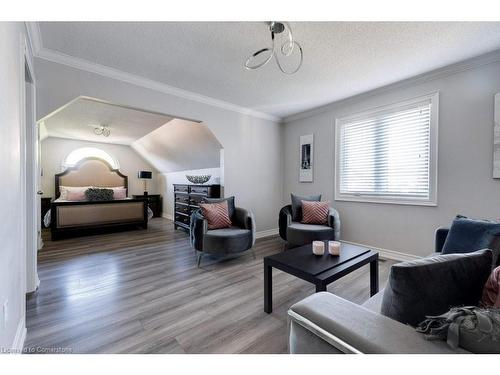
<point>491,290</point>
<point>217,214</point>
<point>315,212</point>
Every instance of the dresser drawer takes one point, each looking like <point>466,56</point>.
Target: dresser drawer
<point>195,199</point>
<point>182,208</point>
<point>182,218</point>
<point>181,188</point>
<point>199,190</point>
<point>182,198</point>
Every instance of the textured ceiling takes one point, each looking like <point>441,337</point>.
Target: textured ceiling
<point>78,119</point>
<point>341,59</point>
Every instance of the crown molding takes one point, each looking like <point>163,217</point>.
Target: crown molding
<point>459,67</point>
<point>60,58</point>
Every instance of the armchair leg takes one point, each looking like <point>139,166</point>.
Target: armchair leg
<point>200,255</point>
<point>285,246</point>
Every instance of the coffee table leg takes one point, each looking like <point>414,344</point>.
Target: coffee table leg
<point>373,277</point>
<point>320,288</point>
<point>268,288</point>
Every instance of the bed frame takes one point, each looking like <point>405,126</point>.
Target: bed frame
<point>71,219</point>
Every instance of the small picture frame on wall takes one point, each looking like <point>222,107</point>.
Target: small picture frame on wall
<point>496,138</point>
<point>306,158</point>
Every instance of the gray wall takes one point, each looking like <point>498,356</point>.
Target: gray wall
<point>252,145</point>
<point>465,148</point>
<point>55,150</point>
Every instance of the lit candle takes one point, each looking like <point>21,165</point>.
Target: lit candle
<point>318,247</point>
<point>334,247</point>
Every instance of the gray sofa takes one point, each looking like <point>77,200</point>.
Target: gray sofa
<point>240,237</point>
<point>297,234</point>
<point>326,323</point>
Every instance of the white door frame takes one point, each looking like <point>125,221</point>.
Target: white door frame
<point>29,169</point>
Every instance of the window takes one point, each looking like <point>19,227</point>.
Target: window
<point>89,152</point>
<point>389,155</point>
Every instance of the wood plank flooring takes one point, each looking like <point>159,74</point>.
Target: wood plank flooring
<point>141,292</point>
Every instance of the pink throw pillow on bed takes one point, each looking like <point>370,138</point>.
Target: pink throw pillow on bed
<point>75,195</point>
<point>64,190</point>
<point>491,290</point>
<point>119,193</point>
<point>315,212</point>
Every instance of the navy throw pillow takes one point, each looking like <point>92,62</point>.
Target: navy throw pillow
<point>467,235</point>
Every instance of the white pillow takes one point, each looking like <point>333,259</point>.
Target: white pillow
<point>63,190</point>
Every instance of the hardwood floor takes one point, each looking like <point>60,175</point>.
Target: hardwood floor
<point>141,292</point>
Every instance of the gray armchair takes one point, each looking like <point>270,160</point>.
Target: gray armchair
<point>297,234</point>
<point>326,323</point>
<point>236,239</point>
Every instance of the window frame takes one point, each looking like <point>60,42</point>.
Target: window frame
<point>65,165</point>
<point>432,200</point>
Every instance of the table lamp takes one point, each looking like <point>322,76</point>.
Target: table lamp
<point>145,176</point>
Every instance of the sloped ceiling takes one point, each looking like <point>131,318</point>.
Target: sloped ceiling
<point>169,144</point>
<point>180,145</point>
<point>79,118</point>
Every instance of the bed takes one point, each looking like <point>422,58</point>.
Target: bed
<point>70,218</point>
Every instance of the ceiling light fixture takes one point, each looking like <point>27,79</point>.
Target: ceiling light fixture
<point>283,48</point>
<point>102,130</point>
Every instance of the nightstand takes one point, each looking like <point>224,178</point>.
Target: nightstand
<point>154,202</point>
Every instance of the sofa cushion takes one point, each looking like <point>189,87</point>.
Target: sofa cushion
<point>315,212</point>
<point>227,240</point>
<point>297,204</point>
<point>229,200</point>
<point>468,235</point>
<point>217,214</point>
<point>298,234</point>
<point>430,286</point>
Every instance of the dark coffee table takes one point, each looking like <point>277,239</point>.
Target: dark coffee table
<point>319,270</point>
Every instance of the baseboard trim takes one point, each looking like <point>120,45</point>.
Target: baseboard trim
<point>267,233</point>
<point>18,343</point>
<point>167,216</point>
<point>388,254</point>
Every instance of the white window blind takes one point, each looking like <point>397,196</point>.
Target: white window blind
<point>386,154</point>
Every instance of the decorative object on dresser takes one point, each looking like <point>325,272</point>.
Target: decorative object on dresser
<point>187,199</point>
<point>45,206</point>
<point>145,176</point>
<point>154,202</point>
<point>198,180</point>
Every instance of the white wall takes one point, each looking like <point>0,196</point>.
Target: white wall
<point>12,267</point>
<point>252,145</point>
<point>168,179</point>
<point>55,150</point>
<point>465,183</point>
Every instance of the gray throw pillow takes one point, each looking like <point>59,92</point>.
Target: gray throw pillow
<point>297,204</point>
<point>230,204</point>
<point>468,235</point>
<point>96,194</point>
<point>431,286</point>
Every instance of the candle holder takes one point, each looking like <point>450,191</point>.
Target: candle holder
<point>334,248</point>
<point>318,247</point>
